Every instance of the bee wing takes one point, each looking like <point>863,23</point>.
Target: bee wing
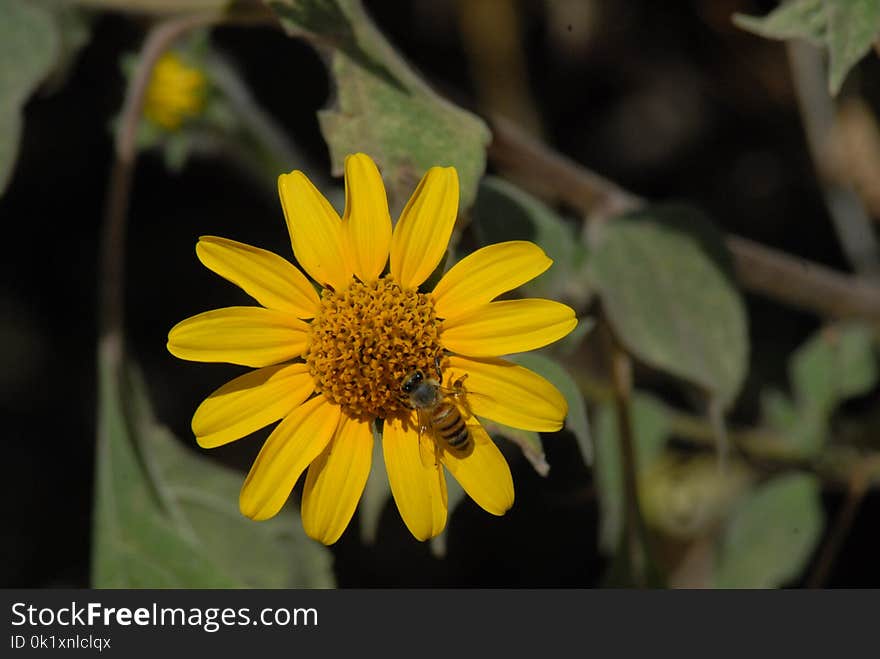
<point>428,449</point>
<point>464,400</point>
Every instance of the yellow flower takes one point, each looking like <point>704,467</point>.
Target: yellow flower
<point>330,364</point>
<point>176,92</point>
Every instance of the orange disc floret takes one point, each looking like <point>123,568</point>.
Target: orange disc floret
<point>365,340</point>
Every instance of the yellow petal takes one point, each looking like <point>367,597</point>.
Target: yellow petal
<point>250,402</point>
<point>250,336</point>
<point>291,447</point>
<point>482,472</point>
<point>502,328</point>
<point>509,394</point>
<point>315,231</point>
<point>336,480</point>
<point>419,490</point>
<point>269,279</point>
<point>422,233</point>
<point>487,273</point>
<point>367,223</point>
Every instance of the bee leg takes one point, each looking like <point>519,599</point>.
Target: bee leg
<point>437,366</point>
<point>460,394</point>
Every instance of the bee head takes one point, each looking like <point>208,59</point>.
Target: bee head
<point>411,381</point>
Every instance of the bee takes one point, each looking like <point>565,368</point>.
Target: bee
<point>438,408</point>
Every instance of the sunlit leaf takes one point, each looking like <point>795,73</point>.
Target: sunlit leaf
<point>663,277</point>
<point>167,517</point>
<point>29,45</point>
<point>772,534</point>
<point>382,107</point>
<point>651,428</point>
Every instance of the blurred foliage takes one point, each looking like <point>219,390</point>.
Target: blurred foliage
<point>651,429</point>
<point>771,535</point>
<point>505,212</point>
<point>29,45</point>
<point>166,517</point>
<point>845,28</point>
<point>231,124</point>
<point>686,497</point>
<point>837,363</point>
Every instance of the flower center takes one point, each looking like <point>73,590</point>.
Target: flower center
<point>365,340</point>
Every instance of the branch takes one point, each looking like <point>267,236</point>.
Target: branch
<point>112,269</point>
<point>762,270</point>
<point>835,465</point>
<point>848,215</point>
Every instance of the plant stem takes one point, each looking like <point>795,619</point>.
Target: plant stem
<point>857,488</point>
<point>635,530</point>
<point>835,465</point>
<point>112,310</point>
<point>848,216</point>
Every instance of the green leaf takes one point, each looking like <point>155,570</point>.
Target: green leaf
<point>853,26</point>
<point>772,534</point>
<point>651,428</point>
<point>576,422</point>
<point>503,211</point>
<point>663,276</point>
<point>167,517</point>
<point>847,28</point>
<point>835,364</point>
<point>29,45</point>
<point>382,107</point>
<point>778,410</point>
<point>803,427</point>
<point>74,28</point>
<point>804,19</point>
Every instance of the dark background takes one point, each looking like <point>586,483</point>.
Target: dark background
<point>668,99</point>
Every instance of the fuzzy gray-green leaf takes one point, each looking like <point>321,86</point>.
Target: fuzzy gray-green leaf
<point>846,28</point>
<point>770,537</point>
<point>505,212</point>
<point>167,517</point>
<point>29,44</point>
<point>664,279</point>
<point>382,107</point>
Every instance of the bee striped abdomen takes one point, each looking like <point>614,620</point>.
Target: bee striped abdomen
<point>450,426</point>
